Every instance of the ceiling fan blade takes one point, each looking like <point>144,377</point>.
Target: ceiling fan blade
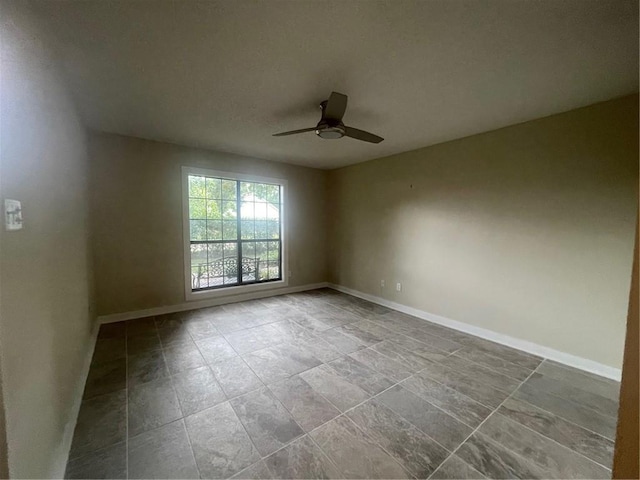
<point>335,108</point>
<point>362,135</point>
<point>293,132</point>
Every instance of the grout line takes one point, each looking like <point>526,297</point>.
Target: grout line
<point>485,420</point>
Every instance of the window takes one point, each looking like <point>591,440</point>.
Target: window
<point>233,225</point>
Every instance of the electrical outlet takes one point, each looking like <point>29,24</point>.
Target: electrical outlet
<point>398,287</point>
<point>382,283</point>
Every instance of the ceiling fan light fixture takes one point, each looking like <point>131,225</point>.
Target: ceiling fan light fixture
<point>330,133</point>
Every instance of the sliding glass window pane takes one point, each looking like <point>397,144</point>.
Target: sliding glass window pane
<point>197,186</point>
<point>198,229</point>
<point>214,209</point>
<point>261,210</point>
<point>247,229</point>
<point>261,229</point>
<point>214,229</point>
<point>198,260</point>
<point>230,230</point>
<point>213,187</point>
<point>229,190</point>
<point>247,190</point>
<point>197,208</point>
<point>273,229</point>
<point>229,210</point>
<point>247,210</point>
<point>272,194</point>
<point>230,253</point>
<point>249,273</point>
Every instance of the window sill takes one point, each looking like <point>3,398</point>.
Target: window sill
<point>235,290</point>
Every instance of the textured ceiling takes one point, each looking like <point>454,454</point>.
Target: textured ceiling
<point>227,74</point>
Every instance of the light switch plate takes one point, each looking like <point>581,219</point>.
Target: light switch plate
<point>12,214</point>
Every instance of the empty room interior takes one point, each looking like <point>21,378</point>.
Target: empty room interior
<point>319,239</point>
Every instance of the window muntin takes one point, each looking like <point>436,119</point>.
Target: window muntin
<point>235,231</point>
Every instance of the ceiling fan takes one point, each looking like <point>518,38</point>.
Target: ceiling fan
<point>330,125</point>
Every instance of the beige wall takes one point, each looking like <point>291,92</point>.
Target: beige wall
<point>137,212</point>
<point>527,231</point>
<point>46,322</point>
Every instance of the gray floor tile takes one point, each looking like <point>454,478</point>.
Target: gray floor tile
<point>197,390</point>
<point>588,382</point>
<point>451,401</point>
<point>181,358</point>
<point>341,342</point>
<point>162,453</point>
<point>146,367</point>
<point>356,331</point>
<point>481,373</point>
<point>433,341</point>
<point>313,323</point>
<point>169,320</point>
<point>559,423</point>
<point>267,422</point>
<point>468,385</point>
<point>276,363</point>
<point>411,361</point>
<point>143,343</point>
<point>301,459</point>
<point>108,349</point>
<point>106,377</point>
<point>578,439</point>
<point>257,471</point>
<point>235,377</point>
<point>256,338</point>
<point>354,453</point>
<point>359,374</point>
<point>306,405</point>
<point>175,336</point>
<point>387,367</point>
<point>506,353</point>
<point>562,389</point>
<point>495,363</point>
<point>231,322</point>
<point>418,348</point>
<point>108,462</point>
<point>152,405</point>
<point>556,461</point>
<point>455,468</point>
<point>140,326</point>
<point>102,422</point>
<point>415,451</point>
<point>495,461</point>
<point>440,426</point>
<point>220,443</point>
<point>334,387</point>
<point>215,349</point>
<point>200,328</point>
<point>317,347</point>
<point>574,412</point>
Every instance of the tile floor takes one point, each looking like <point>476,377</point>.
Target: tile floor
<point>325,385</point>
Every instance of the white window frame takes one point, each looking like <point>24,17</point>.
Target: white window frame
<point>190,295</point>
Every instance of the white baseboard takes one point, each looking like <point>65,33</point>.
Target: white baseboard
<point>524,345</point>
<point>212,302</point>
<point>67,438</point>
